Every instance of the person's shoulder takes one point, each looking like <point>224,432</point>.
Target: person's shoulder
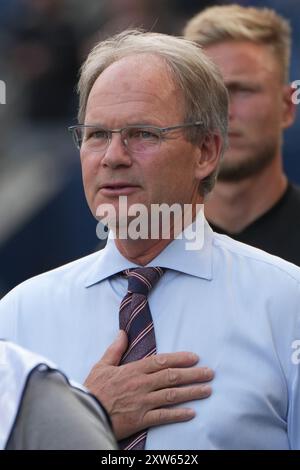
<point>261,260</point>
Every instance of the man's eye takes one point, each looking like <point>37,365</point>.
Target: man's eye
<point>96,134</point>
<point>242,91</point>
<point>245,90</point>
<point>144,134</point>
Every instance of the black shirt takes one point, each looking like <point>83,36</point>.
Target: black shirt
<point>278,230</point>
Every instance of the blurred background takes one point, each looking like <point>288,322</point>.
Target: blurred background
<point>44,219</point>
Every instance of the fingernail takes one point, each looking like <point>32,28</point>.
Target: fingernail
<point>193,356</point>
<point>206,389</point>
<point>190,413</point>
<point>209,373</point>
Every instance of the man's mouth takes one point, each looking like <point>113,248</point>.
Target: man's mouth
<point>118,188</point>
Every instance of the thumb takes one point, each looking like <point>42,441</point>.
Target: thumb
<point>115,351</point>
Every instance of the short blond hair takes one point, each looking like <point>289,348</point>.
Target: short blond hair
<point>238,23</point>
<point>198,78</point>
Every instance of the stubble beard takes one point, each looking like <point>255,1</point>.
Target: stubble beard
<point>251,165</point>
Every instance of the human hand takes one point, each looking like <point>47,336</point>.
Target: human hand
<point>138,395</point>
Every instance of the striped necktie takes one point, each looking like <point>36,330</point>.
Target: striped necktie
<point>135,318</point>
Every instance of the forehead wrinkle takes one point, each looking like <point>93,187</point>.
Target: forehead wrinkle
<point>151,107</point>
<point>122,98</point>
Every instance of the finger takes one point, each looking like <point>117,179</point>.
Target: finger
<point>184,376</point>
<point>115,351</point>
<point>167,416</point>
<point>164,361</point>
<point>174,396</point>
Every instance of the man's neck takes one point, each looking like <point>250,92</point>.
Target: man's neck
<point>143,251</point>
<point>234,206</point>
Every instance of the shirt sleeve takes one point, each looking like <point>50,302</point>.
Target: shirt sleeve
<point>55,416</point>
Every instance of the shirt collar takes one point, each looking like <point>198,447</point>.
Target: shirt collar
<point>175,256</point>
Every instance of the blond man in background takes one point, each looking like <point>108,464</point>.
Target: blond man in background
<point>253,201</point>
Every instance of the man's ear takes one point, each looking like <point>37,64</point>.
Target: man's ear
<point>209,155</point>
<point>288,106</point>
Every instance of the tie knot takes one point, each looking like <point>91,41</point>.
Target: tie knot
<point>141,280</point>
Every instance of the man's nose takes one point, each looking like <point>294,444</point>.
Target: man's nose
<point>116,153</point>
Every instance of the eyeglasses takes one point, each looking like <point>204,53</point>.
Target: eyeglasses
<point>137,139</point>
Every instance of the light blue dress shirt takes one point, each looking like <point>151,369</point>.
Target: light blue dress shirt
<point>235,306</point>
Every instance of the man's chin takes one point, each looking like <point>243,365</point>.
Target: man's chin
<point>234,171</point>
<point>233,174</point>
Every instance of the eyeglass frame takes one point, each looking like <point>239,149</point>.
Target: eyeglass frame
<point>161,130</point>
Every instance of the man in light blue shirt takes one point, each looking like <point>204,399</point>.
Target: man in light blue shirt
<point>234,307</point>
